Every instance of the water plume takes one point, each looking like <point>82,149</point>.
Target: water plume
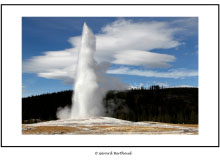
<point>88,93</point>
<point>91,82</point>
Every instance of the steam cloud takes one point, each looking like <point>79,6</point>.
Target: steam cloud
<point>91,83</point>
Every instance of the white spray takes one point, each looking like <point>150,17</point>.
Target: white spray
<point>87,99</point>
<point>91,82</point>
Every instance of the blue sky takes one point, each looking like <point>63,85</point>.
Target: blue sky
<point>140,50</point>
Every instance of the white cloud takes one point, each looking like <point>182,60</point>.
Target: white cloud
<point>177,73</point>
<point>143,58</point>
<point>123,35</point>
<point>182,86</point>
<point>51,60</point>
<point>138,85</point>
<point>53,65</point>
<point>123,42</point>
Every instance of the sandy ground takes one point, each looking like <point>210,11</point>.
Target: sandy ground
<point>107,125</point>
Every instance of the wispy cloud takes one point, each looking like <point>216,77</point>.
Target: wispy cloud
<point>122,42</point>
<point>174,73</point>
<point>143,58</point>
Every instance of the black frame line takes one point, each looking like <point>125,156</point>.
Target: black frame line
<point>112,5</point>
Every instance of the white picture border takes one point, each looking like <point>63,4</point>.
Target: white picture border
<point>12,72</point>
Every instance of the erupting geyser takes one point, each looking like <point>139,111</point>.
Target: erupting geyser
<point>87,99</point>
<point>91,82</point>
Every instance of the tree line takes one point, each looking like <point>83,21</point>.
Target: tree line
<point>171,105</point>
